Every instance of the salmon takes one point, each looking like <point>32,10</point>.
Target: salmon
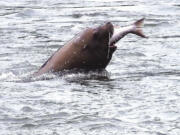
<point>135,28</point>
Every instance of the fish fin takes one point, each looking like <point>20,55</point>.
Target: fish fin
<point>138,28</point>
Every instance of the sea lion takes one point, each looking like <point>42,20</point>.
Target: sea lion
<point>90,50</point>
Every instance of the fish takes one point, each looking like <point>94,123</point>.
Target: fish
<point>120,32</point>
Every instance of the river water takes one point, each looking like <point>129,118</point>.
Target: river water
<point>139,94</point>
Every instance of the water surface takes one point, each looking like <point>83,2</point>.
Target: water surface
<point>138,95</point>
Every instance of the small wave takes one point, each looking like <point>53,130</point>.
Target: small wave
<point>82,77</point>
<point>28,125</point>
<point>153,73</point>
<point>15,77</point>
<point>8,76</point>
<point>170,36</point>
<point>26,109</point>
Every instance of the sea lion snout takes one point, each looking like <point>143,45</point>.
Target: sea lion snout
<point>109,26</point>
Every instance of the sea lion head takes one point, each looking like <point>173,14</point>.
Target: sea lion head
<point>97,46</point>
<point>100,36</point>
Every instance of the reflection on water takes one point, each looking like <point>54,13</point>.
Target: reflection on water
<point>139,93</point>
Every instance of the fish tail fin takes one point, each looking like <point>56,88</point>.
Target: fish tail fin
<point>138,28</point>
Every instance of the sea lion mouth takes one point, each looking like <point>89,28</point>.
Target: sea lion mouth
<point>112,46</point>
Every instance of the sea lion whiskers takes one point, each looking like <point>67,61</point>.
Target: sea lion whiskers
<point>108,51</point>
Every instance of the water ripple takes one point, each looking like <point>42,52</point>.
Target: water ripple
<point>137,94</point>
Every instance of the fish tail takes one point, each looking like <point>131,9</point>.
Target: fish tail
<point>138,28</point>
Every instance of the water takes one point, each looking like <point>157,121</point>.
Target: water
<point>138,95</point>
